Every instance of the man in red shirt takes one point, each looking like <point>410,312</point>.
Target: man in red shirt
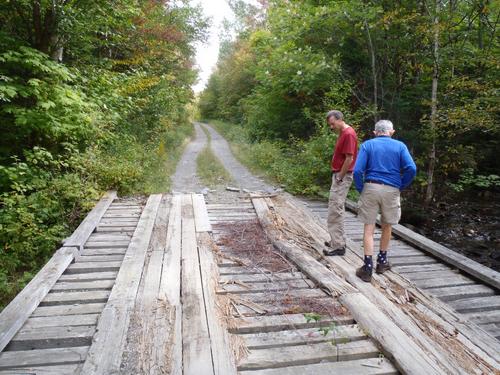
<point>342,165</point>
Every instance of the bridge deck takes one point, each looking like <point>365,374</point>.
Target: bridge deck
<point>174,284</point>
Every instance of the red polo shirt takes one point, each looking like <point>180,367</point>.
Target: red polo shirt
<point>347,143</point>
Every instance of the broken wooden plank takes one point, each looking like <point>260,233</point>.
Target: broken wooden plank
<point>305,229</point>
<point>197,357</point>
<point>222,356</point>
<point>21,307</point>
<point>201,220</point>
<point>87,226</point>
<point>308,265</point>
<point>105,353</point>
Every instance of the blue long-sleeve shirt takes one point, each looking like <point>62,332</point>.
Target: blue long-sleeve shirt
<point>385,160</point>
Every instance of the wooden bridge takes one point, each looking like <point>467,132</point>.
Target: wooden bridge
<point>175,284</point>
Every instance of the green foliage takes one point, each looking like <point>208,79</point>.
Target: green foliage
<point>113,116</point>
<point>469,180</point>
<point>372,60</point>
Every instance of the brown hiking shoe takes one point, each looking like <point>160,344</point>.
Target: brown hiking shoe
<point>364,274</point>
<point>382,267</point>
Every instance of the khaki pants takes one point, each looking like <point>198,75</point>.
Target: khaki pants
<point>336,210</point>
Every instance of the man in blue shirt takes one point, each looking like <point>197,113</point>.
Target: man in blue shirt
<point>383,168</point>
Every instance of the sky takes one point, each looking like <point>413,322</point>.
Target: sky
<point>206,57</point>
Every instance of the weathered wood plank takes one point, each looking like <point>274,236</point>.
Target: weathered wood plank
<point>484,317</point>
<point>308,265</point>
<point>307,354</point>
<point>294,293</point>
<point>262,277</point>
<point>304,336</point>
<point>21,307</point>
<point>101,258</point>
<point>201,220</point>
<point>83,285</point>
<point>109,224</point>
<point>275,286</point>
<point>474,354</point>
<point>61,321</point>
<point>455,280</point>
<point>85,267</point>
<point>412,260</point>
<point>197,357</point>
<point>87,226</point>
<point>119,229</point>
<point>483,273</point>
<point>106,244</point>
<point>222,356</point>
<point>170,283</point>
<point>77,277</point>
<point>107,251</point>
<point>429,274</point>
<point>102,237</point>
<point>476,304</point>
<point>88,308</point>
<point>52,337</point>
<point>42,357</point>
<point>66,298</point>
<point>367,366</point>
<point>451,293</point>
<point>149,329</point>
<point>42,370</point>
<point>274,323</point>
<point>409,357</point>
<point>237,270</point>
<point>421,268</point>
<point>105,353</point>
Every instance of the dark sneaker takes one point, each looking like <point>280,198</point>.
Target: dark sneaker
<point>382,267</point>
<point>339,251</point>
<point>364,274</point>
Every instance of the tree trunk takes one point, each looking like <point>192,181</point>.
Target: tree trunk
<point>432,152</point>
<point>374,70</point>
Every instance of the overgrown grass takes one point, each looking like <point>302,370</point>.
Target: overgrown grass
<point>209,168</point>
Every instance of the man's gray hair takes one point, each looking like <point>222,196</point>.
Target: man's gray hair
<point>383,126</point>
<point>337,114</point>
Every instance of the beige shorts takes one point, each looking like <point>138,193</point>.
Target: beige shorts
<point>377,198</point>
